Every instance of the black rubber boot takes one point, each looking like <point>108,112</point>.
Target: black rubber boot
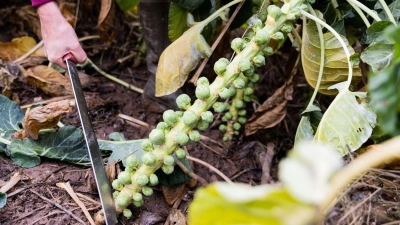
<point>154,19</point>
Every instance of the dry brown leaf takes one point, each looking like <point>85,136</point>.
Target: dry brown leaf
<point>44,117</point>
<point>10,51</point>
<point>176,217</point>
<point>106,21</point>
<point>272,111</point>
<point>49,80</point>
<point>68,11</point>
<point>6,79</point>
<point>29,15</point>
<point>171,194</point>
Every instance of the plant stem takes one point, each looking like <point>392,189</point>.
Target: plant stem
<point>346,50</point>
<point>5,141</point>
<point>30,52</point>
<point>387,11</point>
<point>366,9</point>
<point>361,14</point>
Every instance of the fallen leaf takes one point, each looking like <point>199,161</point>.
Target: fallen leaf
<point>29,15</point>
<point>106,21</point>
<point>49,80</point>
<point>10,51</point>
<point>68,11</point>
<point>176,217</point>
<point>6,79</point>
<point>272,111</point>
<point>172,193</point>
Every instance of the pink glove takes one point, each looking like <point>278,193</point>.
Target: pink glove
<point>58,35</point>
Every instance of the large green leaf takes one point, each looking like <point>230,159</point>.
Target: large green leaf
<point>334,13</point>
<point>3,199</point>
<point>394,9</point>
<point>336,64</point>
<point>177,23</point>
<point>378,55</point>
<point>376,33</point>
<point>308,124</point>
<point>347,124</point>
<point>11,116</point>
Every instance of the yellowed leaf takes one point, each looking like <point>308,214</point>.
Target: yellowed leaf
<point>10,51</point>
<point>106,21</point>
<point>49,80</point>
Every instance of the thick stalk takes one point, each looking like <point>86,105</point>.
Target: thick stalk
<point>366,9</point>
<point>387,11</point>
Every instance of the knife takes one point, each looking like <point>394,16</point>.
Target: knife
<point>107,201</point>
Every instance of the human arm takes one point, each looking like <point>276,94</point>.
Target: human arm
<point>58,35</point>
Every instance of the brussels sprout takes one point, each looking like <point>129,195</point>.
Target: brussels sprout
<point>248,91</point>
<point>232,91</point>
<point>224,93</point>
<point>258,24</point>
<point>286,28</point>
<point>194,135</point>
<point>267,51</point>
<point>250,84</point>
<point>236,132</point>
<point>238,103</point>
<point>274,11</point>
<point>203,81</point>
<point>132,161</point>
<point>259,60</point>
<point>239,83</point>
<point>303,7</point>
<point>147,191</point>
<point>127,213</point>
<point>244,64</point>
<point>250,34</point>
<point>180,153</point>
<point>115,194</point>
<point>220,66</point>
<point>202,125</point>
<point>225,138</point>
<point>168,160</point>
<point>207,116</point>
<point>138,203</point>
<point>262,16</point>
<point>182,138</point>
<point>179,114</point>
<point>219,107</point>
<point>157,136</point>
<point>153,179</point>
<point>261,37</point>
<point>117,185</point>
<point>137,197</point>
<point>286,8</point>
<point>203,92</point>
<point>278,36</point>
<point>237,44</point>
<point>222,128</point>
<point>237,126</point>
<point>255,78</point>
<point>163,126</point>
<point>228,115</point>
<point>242,120</point>
<point>124,177</point>
<point>149,159</point>
<point>190,118</point>
<point>224,119</point>
<point>170,117</point>
<point>142,179</point>
<point>249,72</point>
<point>147,145</point>
<point>183,101</point>
<point>242,112</point>
<point>247,98</point>
<point>167,169</point>
<point>130,169</point>
<point>122,200</point>
<point>255,10</point>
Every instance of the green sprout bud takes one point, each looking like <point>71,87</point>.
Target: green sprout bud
<point>222,128</point>
<point>303,7</point>
<point>258,24</point>
<point>137,197</point>
<point>250,84</point>
<point>149,159</point>
<point>183,101</point>
<point>247,98</point>
<point>255,78</point>
<point>163,126</point>
<point>122,200</point>
<point>127,213</point>
<point>254,10</point>
<point>207,116</point>
<point>237,126</point>
<point>220,66</point>
<point>278,36</point>
<point>224,93</point>
<point>285,9</point>
<point>179,114</point>
<point>259,60</point>
<point>238,103</point>
<point>132,161</point>
<point>228,115</point>
<point>261,37</point>
<point>203,125</point>
<point>262,16</point>
<point>224,119</point>
<point>153,180</point>
<point>248,91</point>
<point>267,51</point>
<point>257,2</point>
<point>190,118</point>
<point>239,83</point>
<point>203,92</point>
<point>168,160</point>
<point>225,138</point>
<point>232,91</point>
<point>244,64</point>
<point>182,138</point>
<point>236,132</point>
<point>180,153</point>
<point>117,185</point>
<point>124,177</point>
<point>250,34</point>
<point>130,169</point>
<point>167,169</point>
<point>242,120</point>
<point>242,112</point>
<point>194,135</point>
<point>274,11</point>
<point>147,191</point>
<point>203,81</point>
<point>147,145</point>
<point>286,28</point>
<point>157,136</point>
<point>170,117</point>
<point>237,44</point>
<point>219,107</point>
<point>142,179</point>
<point>138,203</point>
<point>249,72</point>
<point>115,194</point>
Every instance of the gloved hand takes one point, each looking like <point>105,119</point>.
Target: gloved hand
<point>58,35</point>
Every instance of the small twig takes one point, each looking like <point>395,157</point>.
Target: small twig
<point>88,199</point>
<point>191,174</point>
<point>11,183</point>
<point>26,55</point>
<point>240,173</point>
<point>55,99</point>
<point>129,118</point>
<point>211,168</point>
<point>30,186</point>
<point>76,13</point>
<point>122,60</point>
<point>71,192</point>
<point>204,63</point>
<point>58,206</point>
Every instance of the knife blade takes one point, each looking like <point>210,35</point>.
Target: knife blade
<point>106,199</point>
